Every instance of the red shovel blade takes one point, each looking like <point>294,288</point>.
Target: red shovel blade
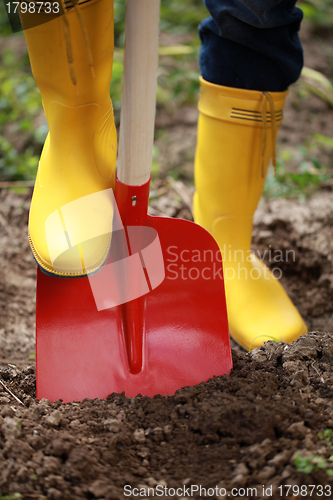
<point>82,346</point>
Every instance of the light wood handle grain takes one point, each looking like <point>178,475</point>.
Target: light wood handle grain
<point>137,119</point>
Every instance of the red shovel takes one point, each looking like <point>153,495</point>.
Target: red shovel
<point>154,318</point>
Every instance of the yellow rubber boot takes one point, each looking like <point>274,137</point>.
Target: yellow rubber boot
<point>236,141</point>
<point>71,59</point>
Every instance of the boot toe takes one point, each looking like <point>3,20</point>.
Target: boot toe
<point>73,240</point>
<point>260,310</point>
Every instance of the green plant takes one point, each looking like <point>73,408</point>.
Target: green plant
<point>301,181</point>
<point>318,12</point>
<point>182,17</point>
<point>327,435</point>
<point>155,165</point>
<point>271,339</point>
<point>16,166</point>
<point>11,496</point>
<point>310,464</point>
<point>20,103</point>
<point>5,28</point>
<point>323,139</point>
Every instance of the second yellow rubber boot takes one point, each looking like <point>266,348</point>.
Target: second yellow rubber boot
<point>236,140</point>
<point>71,59</point>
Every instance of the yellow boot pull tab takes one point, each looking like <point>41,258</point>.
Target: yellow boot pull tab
<point>273,128</point>
<point>267,97</point>
<point>67,36</point>
<point>264,134</point>
<point>68,43</point>
<point>85,36</point>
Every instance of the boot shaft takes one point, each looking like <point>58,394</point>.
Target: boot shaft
<point>236,140</point>
<point>71,56</point>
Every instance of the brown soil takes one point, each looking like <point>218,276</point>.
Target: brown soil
<point>242,431</point>
<point>239,432</point>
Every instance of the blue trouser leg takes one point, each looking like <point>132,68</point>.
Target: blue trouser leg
<point>251,44</point>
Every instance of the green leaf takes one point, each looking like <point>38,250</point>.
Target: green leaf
<point>323,139</point>
<point>322,465</point>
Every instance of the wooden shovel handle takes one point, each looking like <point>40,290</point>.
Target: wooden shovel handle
<point>138,106</point>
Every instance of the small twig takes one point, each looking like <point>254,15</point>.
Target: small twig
<point>31,495</point>
<point>4,224</point>
<point>17,184</point>
<point>154,211</point>
<point>181,190</point>
<point>10,392</point>
<point>161,192</point>
<point>315,369</point>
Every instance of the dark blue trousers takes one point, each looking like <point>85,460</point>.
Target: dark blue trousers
<point>251,44</point>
